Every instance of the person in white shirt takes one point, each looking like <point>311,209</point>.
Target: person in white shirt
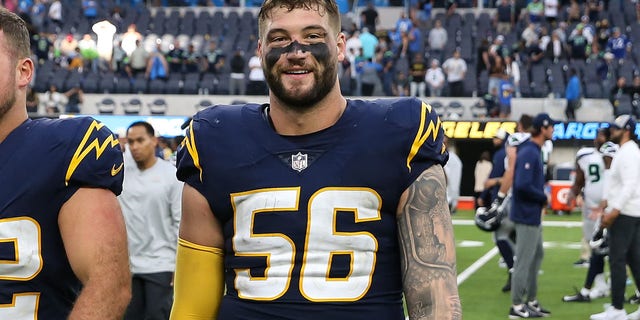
<point>151,204</point>
<point>55,14</point>
<point>256,85</point>
<point>455,68</point>
<point>453,172</point>
<point>621,207</point>
<point>435,78</point>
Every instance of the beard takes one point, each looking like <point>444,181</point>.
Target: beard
<point>7,104</point>
<point>297,98</point>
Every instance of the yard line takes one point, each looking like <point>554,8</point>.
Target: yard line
<point>464,275</point>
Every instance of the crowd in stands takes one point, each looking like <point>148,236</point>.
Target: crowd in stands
<point>521,48</point>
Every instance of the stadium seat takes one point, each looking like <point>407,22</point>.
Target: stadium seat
<point>439,108</point>
<point>203,104</point>
<point>158,107</point>
<point>106,106</point>
<point>132,107</point>
<point>455,110</point>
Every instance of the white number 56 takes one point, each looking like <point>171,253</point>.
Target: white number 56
<point>322,243</point>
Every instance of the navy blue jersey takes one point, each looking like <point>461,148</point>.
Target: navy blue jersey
<point>42,164</point>
<point>310,221</point>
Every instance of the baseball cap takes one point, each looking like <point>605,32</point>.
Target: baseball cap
<point>543,120</point>
<point>625,121</point>
<point>500,134</point>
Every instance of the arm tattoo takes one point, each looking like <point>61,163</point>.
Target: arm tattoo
<point>428,249</point>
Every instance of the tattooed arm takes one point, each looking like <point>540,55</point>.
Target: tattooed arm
<point>428,250</point>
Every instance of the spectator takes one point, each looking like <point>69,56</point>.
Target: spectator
<point>483,57</point>
<point>370,77</point>
<point>105,31</point>
<point>388,72</point>
<point>53,100</point>
<point>76,61</point>
<point>353,42</point>
<point>369,43</point>
<point>75,98</point>
<point>437,40</point>
<point>157,65</point>
<point>551,11</point>
<point>130,39</point>
<point>89,51</point>
<point>573,95</point>
<point>119,59</point>
<point>455,68</point>
<point>512,70</point>
<point>453,173</point>
<point>616,97</point>
<point>418,71</point>
<point>212,54</point>
<point>634,92</point>
<point>481,173</point>
<point>620,216</point>
<point>150,202</point>
<point>529,200</point>
<point>497,70</point>
<point>369,17</point>
<point>530,35</point>
<point>535,11</point>
<point>404,24</point>
<point>55,15</point>
<point>237,83</point>
<point>535,54</point>
<point>68,46</point>
<point>593,8</point>
<point>401,84</point>
<point>42,46</point>
<point>90,10</point>
<point>578,45</point>
<point>257,84</point>
<point>618,44</point>
<point>38,14</point>
<point>138,60</point>
<point>603,33</point>
<point>505,17</point>
<point>415,42</point>
<point>435,79</point>
<point>176,57</point>
<point>505,92</point>
<point>555,50</point>
<point>192,60</point>
<point>573,12</point>
<point>33,101</point>
<point>588,30</point>
<point>426,7</point>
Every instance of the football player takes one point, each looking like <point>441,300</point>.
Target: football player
<point>63,249</point>
<point>591,166</point>
<point>313,206</point>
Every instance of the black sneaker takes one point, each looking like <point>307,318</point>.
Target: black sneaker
<point>523,312</point>
<point>535,306</point>
<point>582,263</point>
<point>578,297</point>
<point>507,286</point>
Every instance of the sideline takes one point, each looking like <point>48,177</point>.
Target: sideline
<point>464,275</point>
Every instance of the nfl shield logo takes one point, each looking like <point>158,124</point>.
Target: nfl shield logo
<point>299,161</point>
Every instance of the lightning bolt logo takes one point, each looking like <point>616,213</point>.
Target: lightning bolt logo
<point>85,148</point>
<point>423,133</point>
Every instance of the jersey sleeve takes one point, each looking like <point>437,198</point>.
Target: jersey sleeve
<point>95,156</point>
<point>189,168</point>
<point>425,137</point>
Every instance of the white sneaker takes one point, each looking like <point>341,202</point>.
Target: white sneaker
<point>634,315</point>
<point>610,314</point>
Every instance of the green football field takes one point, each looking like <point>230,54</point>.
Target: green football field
<point>480,277</point>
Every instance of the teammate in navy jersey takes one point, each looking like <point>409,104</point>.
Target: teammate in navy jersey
<point>313,206</point>
<point>63,251</point>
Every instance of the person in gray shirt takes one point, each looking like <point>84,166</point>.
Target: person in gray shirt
<point>150,202</point>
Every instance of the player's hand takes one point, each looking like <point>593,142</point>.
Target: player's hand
<point>497,205</point>
<point>609,218</point>
<point>596,213</point>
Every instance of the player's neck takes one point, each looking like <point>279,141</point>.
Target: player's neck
<point>11,120</point>
<point>144,165</point>
<point>539,140</point>
<point>291,122</point>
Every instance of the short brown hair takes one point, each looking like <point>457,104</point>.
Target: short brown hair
<point>322,6</point>
<point>16,33</point>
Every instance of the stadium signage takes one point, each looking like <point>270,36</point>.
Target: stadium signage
<point>169,126</point>
<point>486,129</point>
<point>476,129</point>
